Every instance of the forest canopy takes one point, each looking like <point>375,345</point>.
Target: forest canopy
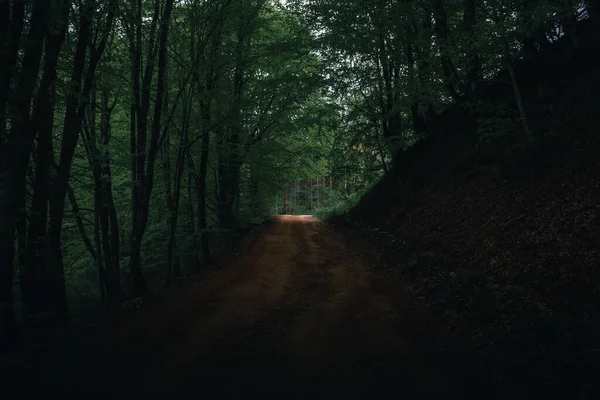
<point>137,137</point>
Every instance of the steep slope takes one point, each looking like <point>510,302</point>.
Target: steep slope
<point>503,244</point>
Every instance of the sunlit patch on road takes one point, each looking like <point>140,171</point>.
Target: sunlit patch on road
<point>297,219</point>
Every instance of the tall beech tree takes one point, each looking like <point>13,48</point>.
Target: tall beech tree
<point>145,129</point>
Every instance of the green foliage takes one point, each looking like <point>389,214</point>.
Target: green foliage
<point>339,208</point>
<point>261,99</point>
<point>339,205</point>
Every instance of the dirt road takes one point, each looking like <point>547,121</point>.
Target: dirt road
<point>298,313</point>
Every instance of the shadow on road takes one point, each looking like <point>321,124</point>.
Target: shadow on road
<point>297,314</point>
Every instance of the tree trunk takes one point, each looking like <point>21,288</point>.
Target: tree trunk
<point>519,100</point>
<point>79,222</point>
<point>176,201</point>
<point>98,248</point>
<point>202,223</point>
<point>108,212</point>
<point>318,194</point>
<point>15,152</point>
<point>82,80</point>
<point>169,234</point>
<point>311,195</point>
<point>419,125</point>
<point>231,144</point>
<point>55,282</point>
<point>34,278</point>
<point>451,78</point>
<point>100,236</point>
<point>143,170</point>
<point>11,29</point>
<point>191,217</point>
<point>473,61</point>
<point>137,276</point>
<point>173,194</point>
<point>390,115</point>
<point>422,55</point>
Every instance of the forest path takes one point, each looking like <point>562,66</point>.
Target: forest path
<point>297,313</point>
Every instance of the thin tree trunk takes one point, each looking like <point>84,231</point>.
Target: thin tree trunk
<point>202,211</point>
<point>515,85</point>
<point>108,213</point>
<point>79,222</point>
<point>98,249</point>
<point>519,100</point>
<point>473,60</point>
<point>170,208</point>
<point>11,29</point>
<point>173,195</point>
<point>191,217</point>
<point>441,30</point>
<point>82,80</point>
<point>176,200</point>
<point>91,147</point>
<point>72,125</point>
<point>231,146</point>
<point>311,195</point>
<point>22,245</point>
<point>144,172</point>
<point>35,279</point>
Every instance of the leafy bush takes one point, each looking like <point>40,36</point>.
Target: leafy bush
<point>339,205</point>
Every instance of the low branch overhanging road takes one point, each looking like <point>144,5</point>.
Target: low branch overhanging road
<point>296,313</point>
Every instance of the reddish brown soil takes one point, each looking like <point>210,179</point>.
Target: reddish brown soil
<point>298,313</point>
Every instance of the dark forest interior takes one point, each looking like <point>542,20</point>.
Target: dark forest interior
<point>372,198</point>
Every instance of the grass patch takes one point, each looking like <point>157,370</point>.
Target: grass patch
<point>339,205</point>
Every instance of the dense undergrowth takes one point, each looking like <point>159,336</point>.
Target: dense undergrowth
<point>338,205</point>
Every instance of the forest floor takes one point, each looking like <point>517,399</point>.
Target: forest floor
<point>298,312</point>
<point>503,250</point>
